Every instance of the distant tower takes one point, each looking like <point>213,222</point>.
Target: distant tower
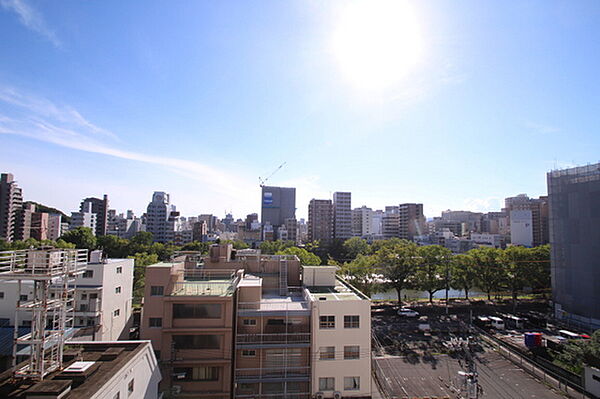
<point>11,201</point>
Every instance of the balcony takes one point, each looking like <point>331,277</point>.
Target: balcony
<point>206,283</point>
<point>292,340</point>
<point>288,395</point>
<point>282,373</point>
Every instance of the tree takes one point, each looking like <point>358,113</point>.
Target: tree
<point>540,267</point>
<point>516,264</point>
<point>361,273</point>
<point>463,273</point>
<point>237,244</point>
<point>488,269</point>
<point>82,237</point>
<point>113,246</point>
<point>578,353</point>
<point>397,262</point>
<point>433,266</point>
<point>201,247</point>
<point>271,247</point>
<point>142,260</point>
<point>142,238</point>
<point>306,258</point>
<point>356,246</point>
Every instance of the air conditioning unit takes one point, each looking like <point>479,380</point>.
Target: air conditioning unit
<point>176,389</point>
<point>337,395</point>
<point>319,395</point>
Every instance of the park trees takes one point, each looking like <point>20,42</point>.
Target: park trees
<point>397,263</point>
<point>488,269</point>
<point>82,237</point>
<point>432,272</point>
<point>463,273</point>
<point>360,272</point>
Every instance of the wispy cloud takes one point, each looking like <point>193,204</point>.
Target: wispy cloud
<point>488,204</point>
<point>40,119</point>
<point>31,19</point>
<point>541,128</point>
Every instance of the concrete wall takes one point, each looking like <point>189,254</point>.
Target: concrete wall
<point>340,337</point>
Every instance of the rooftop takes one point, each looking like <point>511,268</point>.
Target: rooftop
<point>341,291</point>
<point>88,366</point>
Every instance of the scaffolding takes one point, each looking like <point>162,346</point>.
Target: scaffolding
<point>50,274</point>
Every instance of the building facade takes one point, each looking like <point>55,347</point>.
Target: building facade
<point>11,201</point>
<point>574,207</point>
<point>362,222</point>
<point>342,215</point>
<point>277,205</point>
<point>99,207</point>
<point>160,217</point>
<point>320,220</point>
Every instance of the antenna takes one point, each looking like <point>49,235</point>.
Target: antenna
<point>263,181</point>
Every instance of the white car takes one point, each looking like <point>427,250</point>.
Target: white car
<point>406,312</point>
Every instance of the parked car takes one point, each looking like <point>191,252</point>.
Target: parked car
<point>406,312</point>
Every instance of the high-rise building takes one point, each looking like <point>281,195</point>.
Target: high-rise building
<point>362,221</point>
<point>412,221</point>
<point>100,208</point>
<point>11,201</point>
<point>161,217</point>
<point>84,218</point>
<point>210,220</point>
<point>320,220</point>
<point>277,205</point>
<point>377,223</point>
<point>574,204</point>
<point>390,222</point>
<point>342,215</point>
<point>537,233</point>
<point>54,226</point>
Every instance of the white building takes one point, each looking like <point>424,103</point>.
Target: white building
<point>95,370</point>
<point>521,228</point>
<point>342,215</point>
<point>85,218</point>
<point>103,299</point>
<point>341,333</point>
<point>161,217</point>
<point>362,221</point>
<point>488,240</point>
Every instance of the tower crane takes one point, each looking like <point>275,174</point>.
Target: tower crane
<point>263,181</point>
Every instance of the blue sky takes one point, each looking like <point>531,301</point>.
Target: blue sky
<point>200,98</point>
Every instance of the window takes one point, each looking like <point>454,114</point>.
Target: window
<point>196,373</point>
<point>249,322</point>
<point>326,322</point>
<point>197,341</point>
<point>26,323</point>
<point>83,307</point>
<point>88,274</point>
<point>117,312</point>
<point>119,270</point>
<point>23,297</point>
<point>248,353</point>
<point>118,290</point>
<point>83,297</point>
<point>196,311</point>
<point>276,322</point>
<point>326,384</point>
<point>155,322</point>
<point>351,352</point>
<point>1,295</point>
<point>93,296</point>
<point>130,387</point>
<point>327,353</point>
<point>351,383</point>
<point>351,321</point>
<point>157,290</point>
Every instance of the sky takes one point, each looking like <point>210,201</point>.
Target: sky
<point>455,104</point>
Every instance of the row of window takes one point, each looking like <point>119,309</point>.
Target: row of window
<point>328,322</point>
<point>350,352</point>
<point>196,373</point>
<point>328,383</point>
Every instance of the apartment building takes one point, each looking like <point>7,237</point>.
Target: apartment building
<point>362,221</point>
<point>528,220</point>
<point>320,220</point>
<point>390,222</point>
<point>84,218</point>
<point>160,217</point>
<point>342,215</point>
<point>245,325</point>
<point>103,299</point>
<point>411,221</point>
<point>99,207</point>
<point>277,205</point>
<point>11,201</point>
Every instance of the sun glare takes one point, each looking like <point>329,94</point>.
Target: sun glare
<point>377,42</point>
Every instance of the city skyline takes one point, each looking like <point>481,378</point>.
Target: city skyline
<point>214,97</point>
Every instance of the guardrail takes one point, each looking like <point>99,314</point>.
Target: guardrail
<point>294,338</point>
<point>282,372</point>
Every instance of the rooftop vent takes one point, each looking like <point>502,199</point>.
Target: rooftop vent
<point>49,389</point>
<point>322,298</point>
<point>78,372</point>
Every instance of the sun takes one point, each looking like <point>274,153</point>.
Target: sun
<point>377,43</point>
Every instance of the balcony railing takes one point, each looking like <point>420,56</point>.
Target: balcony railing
<point>269,339</point>
<point>288,395</point>
<point>273,306</point>
<point>281,373</point>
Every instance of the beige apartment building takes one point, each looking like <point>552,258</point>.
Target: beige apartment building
<point>245,325</point>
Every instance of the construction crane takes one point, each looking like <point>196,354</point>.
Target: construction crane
<point>263,181</point>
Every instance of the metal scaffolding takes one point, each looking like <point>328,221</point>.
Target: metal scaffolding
<point>50,274</point>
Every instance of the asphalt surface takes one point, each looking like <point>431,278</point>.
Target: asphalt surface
<point>438,376</point>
